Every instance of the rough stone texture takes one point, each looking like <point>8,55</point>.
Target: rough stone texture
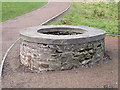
<point>59,47</point>
<point>44,57</point>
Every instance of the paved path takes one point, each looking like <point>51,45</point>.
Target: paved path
<point>10,28</point>
<point>105,72</point>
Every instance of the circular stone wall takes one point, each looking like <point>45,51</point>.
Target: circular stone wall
<point>59,47</point>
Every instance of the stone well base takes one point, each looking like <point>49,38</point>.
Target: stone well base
<point>44,57</point>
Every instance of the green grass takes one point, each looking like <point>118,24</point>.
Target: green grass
<point>11,10</point>
<point>100,15</point>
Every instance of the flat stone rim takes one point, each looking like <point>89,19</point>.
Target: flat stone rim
<point>32,35</point>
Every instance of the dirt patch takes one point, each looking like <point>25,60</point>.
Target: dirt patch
<point>101,75</point>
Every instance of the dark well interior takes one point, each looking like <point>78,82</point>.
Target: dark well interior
<point>61,31</point>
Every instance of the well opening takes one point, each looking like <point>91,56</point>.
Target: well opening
<point>63,31</point>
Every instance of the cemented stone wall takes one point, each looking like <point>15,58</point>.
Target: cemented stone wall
<point>60,47</point>
<point>45,57</point>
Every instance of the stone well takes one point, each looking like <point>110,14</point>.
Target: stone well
<point>59,47</point>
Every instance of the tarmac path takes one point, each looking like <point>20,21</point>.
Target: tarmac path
<point>11,28</point>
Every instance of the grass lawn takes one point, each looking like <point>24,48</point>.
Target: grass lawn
<point>11,10</point>
<point>100,15</point>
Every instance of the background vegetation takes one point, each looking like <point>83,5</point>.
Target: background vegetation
<point>11,10</point>
<point>100,15</point>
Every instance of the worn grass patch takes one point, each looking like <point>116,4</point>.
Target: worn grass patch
<point>11,10</point>
<point>100,15</point>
